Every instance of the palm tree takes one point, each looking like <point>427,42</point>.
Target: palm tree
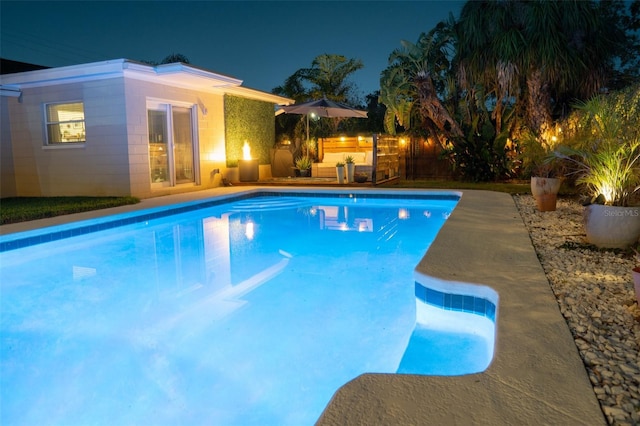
<point>530,52</point>
<point>415,78</point>
<point>480,67</point>
<point>327,77</point>
<point>330,77</point>
<point>397,94</point>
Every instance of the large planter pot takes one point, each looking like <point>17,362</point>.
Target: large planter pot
<point>612,226</point>
<point>546,202</point>
<point>636,282</point>
<point>350,169</point>
<point>340,174</point>
<point>545,192</point>
<point>361,177</point>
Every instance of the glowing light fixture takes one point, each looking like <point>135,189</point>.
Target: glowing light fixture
<point>607,190</point>
<point>215,155</point>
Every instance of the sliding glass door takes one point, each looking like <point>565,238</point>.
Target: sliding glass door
<point>182,145</point>
<point>172,146</point>
<point>158,146</point>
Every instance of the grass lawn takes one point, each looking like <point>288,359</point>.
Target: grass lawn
<point>21,209</point>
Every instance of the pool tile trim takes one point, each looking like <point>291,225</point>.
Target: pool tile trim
<point>456,302</point>
<point>20,240</point>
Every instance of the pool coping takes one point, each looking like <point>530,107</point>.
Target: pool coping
<point>536,377</point>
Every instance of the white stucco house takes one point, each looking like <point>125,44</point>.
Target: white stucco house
<point>115,127</point>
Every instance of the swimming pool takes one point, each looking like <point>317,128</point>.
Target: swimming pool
<point>253,311</point>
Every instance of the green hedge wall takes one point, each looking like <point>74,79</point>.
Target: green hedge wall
<point>252,121</point>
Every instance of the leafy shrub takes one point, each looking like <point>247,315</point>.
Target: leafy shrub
<point>479,157</point>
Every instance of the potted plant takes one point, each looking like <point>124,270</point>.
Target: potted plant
<point>351,168</point>
<point>304,166</point>
<point>361,177</point>
<point>604,153</point>
<point>545,169</point>
<point>340,172</point>
<point>545,188</point>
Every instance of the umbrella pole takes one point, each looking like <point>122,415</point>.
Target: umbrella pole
<point>307,147</point>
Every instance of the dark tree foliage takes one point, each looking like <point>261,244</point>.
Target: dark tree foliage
<point>170,59</point>
<point>328,76</point>
<point>513,67</point>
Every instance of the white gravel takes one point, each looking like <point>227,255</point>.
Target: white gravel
<point>595,293</point>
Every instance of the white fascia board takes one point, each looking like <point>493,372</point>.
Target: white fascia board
<point>11,91</point>
<point>218,80</point>
<point>180,75</point>
<point>193,78</point>
<point>62,75</point>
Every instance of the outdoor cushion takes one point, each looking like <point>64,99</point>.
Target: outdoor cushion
<point>368,158</point>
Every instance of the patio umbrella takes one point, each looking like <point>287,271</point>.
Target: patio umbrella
<point>323,108</point>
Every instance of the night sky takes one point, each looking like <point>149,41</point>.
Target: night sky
<point>261,43</point>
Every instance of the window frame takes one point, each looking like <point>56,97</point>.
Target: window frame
<point>167,105</point>
<point>68,144</point>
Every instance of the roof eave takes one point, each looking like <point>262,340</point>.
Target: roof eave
<point>177,74</point>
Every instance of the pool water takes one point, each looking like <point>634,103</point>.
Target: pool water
<point>252,312</point>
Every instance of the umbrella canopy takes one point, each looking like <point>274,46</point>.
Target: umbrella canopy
<point>324,108</point>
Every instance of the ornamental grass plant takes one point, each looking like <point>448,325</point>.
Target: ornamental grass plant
<point>303,163</point>
<point>601,146</point>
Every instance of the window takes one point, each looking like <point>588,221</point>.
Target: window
<point>65,123</point>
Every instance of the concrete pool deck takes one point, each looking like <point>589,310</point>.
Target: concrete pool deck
<point>536,377</point>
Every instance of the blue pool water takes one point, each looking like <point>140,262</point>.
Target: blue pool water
<point>252,312</point>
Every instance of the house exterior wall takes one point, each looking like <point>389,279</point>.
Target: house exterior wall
<point>7,177</point>
<point>98,168</point>
<point>115,160</point>
<point>209,138</point>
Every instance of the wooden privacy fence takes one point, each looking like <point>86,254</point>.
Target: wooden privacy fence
<point>422,160</point>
